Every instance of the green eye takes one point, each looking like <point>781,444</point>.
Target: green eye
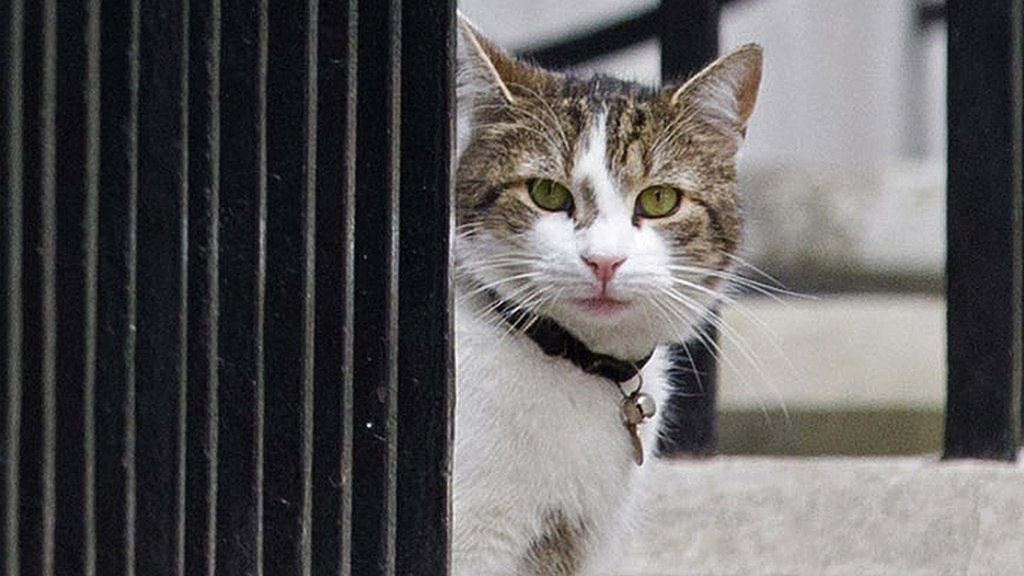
<point>657,201</point>
<point>549,195</point>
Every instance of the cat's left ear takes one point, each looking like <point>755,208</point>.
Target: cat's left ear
<point>481,65</point>
<point>724,93</point>
<point>486,71</point>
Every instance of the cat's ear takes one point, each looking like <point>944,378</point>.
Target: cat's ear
<point>724,93</point>
<point>484,69</point>
<point>480,64</point>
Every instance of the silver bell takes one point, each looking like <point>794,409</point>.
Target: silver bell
<point>631,412</point>
<point>646,405</point>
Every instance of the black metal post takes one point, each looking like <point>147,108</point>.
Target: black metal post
<point>335,286</point>
<point>203,399</point>
<point>375,433</point>
<point>983,412</point>
<point>11,317</point>
<point>243,279</point>
<point>689,36</point>
<point>689,41</point>
<point>118,257</point>
<point>290,290</point>
<point>162,289</point>
<point>590,44</point>
<point>426,371</point>
<point>38,457</point>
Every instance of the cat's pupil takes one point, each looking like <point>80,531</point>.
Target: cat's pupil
<point>550,195</point>
<point>658,201</point>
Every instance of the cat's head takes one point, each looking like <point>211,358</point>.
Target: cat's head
<point>608,206</point>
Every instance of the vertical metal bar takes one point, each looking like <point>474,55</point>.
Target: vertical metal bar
<point>309,188</point>
<point>204,251</point>
<point>10,280</point>
<point>74,541</point>
<point>983,218</point>
<point>243,215</point>
<point>47,128</point>
<point>30,362</point>
<point>291,228</point>
<point>115,362</point>
<point>376,349</point>
<point>689,36</point>
<point>1017,31</point>
<point>689,41</point>
<point>426,372</point>
<point>335,175</point>
<point>90,241</point>
<point>161,352</point>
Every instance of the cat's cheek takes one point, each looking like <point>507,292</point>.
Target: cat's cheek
<point>553,239</point>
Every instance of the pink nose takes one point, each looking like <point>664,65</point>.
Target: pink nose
<point>604,267</point>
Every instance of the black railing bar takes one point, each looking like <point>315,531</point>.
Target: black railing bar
<point>309,286</point>
<point>349,283</point>
<point>242,286</point>
<point>930,13</point>
<point>331,461</point>
<point>983,218</point>
<point>12,218</point>
<point>48,283</point>
<point>426,368</point>
<point>599,41</point>
<point>374,442</point>
<point>259,418</point>
<point>161,359</point>
<point>90,253</point>
<point>204,262</point>
<point>589,44</point>
<point>393,255</point>
<point>213,62</point>
<point>181,510</point>
<point>131,287</point>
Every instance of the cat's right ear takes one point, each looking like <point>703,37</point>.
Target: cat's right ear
<point>724,93</point>
<point>481,65</point>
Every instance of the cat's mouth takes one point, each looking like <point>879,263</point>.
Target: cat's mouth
<point>602,305</point>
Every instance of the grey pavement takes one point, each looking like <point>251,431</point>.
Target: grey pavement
<point>908,516</point>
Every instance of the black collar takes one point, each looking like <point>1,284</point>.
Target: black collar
<point>555,340</point>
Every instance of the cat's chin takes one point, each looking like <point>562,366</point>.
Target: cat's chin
<point>602,306</point>
<point>616,327</point>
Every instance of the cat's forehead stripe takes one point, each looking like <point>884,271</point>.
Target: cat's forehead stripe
<point>591,168</point>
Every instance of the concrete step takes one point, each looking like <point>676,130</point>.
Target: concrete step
<point>833,374</point>
<point>752,516</point>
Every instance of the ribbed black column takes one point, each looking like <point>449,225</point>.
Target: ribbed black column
<point>162,288</point>
<point>11,317</point>
<point>242,263</point>
<point>335,286</point>
<point>202,310</point>
<point>426,367</point>
<point>117,242</point>
<point>290,295</point>
<point>204,288</point>
<point>375,401</point>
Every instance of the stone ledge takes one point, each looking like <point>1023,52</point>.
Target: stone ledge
<point>830,516</point>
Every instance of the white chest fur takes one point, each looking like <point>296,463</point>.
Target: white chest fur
<point>535,436</point>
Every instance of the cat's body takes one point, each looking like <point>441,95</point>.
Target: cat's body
<point>606,210</point>
<point>564,455</point>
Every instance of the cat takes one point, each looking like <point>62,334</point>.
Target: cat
<point>595,222</point>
